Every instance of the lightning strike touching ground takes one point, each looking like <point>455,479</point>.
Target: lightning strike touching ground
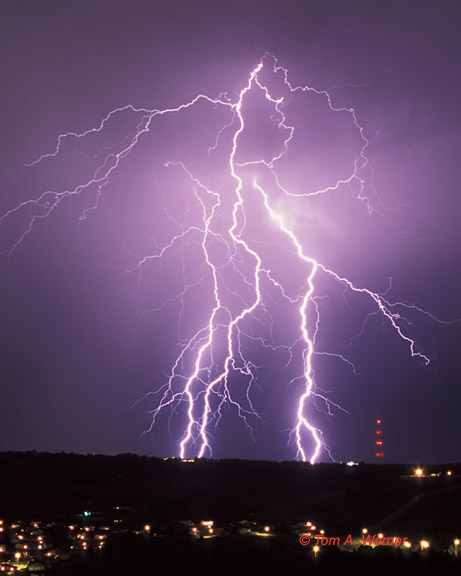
<point>236,224</point>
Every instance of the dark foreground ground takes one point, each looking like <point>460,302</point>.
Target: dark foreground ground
<point>140,515</point>
<point>243,556</point>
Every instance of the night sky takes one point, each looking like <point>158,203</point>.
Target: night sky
<point>91,325</point>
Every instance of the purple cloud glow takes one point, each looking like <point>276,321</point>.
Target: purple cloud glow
<point>249,266</point>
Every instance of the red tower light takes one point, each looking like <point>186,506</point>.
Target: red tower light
<point>379,443</point>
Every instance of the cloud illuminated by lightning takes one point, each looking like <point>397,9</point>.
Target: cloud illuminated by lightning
<point>201,373</point>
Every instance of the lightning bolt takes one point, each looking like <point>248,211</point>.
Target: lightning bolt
<point>217,348</point>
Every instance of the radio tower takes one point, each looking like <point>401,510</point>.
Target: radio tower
<point>379,441</point>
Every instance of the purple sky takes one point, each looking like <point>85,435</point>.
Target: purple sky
<point>79,342</point>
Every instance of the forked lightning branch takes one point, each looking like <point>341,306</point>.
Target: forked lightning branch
<point>214,368</point>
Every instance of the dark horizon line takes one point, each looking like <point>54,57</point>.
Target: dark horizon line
<point>203,459</point>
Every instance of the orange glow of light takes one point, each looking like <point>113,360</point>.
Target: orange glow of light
<point>419,472</point>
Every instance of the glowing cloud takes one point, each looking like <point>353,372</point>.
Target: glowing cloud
<point>240,218</point>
